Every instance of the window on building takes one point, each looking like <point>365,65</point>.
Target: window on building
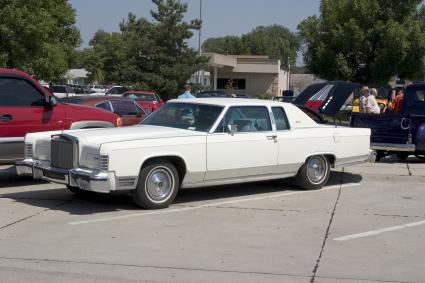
<point>224,83</point>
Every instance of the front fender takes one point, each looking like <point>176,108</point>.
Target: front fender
<point>91,124</point>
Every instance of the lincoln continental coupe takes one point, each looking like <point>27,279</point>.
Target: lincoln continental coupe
<point>191,143</point>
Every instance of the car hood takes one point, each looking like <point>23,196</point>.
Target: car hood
<point>335,99</point>
<point>138,132</point>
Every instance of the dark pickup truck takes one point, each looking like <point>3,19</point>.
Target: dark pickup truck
<point>402,134</point>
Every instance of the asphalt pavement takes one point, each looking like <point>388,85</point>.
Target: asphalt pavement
<point>366,225</point>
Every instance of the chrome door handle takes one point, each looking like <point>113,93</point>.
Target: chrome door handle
<point>272,137</point>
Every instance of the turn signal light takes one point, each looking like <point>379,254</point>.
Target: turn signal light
<point>119,122</point>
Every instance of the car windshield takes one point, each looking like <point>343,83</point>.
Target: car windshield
<point>142,96</point>
<point>191,116</point>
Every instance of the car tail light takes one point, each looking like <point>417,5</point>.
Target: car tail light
<point>119,122</point>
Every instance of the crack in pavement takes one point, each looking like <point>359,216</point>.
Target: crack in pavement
<point>316,267</point>
<point>37,260</point>
<point>34,215</point>
<point>40,260</point>
<point>408,169</point>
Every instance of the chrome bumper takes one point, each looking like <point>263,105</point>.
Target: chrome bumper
<point>85,179</point>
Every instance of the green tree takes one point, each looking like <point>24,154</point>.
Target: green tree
<point>38,36</point>
<point>275,41</point>
<point>365,40</point>
<point>150,53</point>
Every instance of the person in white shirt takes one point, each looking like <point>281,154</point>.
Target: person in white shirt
<point>371,104</point>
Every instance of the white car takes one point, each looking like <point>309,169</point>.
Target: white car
<point>195,143</point>
<point>62,91</point>
<point>96,89</point>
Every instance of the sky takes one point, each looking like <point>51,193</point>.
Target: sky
<point>220,17</point>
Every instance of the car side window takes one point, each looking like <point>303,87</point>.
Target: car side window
<point>280,118</point>
<point>19,93</point>
<point>104,105</point>
<point>124,108</point>
<point>247,119</point>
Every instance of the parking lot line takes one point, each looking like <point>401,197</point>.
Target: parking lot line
<point>182,209</point>
<point>379,231</point>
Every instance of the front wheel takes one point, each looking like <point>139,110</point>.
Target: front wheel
<point>314,174</point>
<point>158,185</point>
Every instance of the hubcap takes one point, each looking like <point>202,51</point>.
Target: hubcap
<point>316,169</point>
<point>159,184</point>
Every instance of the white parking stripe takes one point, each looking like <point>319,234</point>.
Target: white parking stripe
<point>174,210</point>
<point>379,231</point>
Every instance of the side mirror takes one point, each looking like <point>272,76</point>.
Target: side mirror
<point>231,129</point>
<point>52,101</point>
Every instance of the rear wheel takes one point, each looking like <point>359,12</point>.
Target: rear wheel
<point>158,185</point>
<point>314,174</point>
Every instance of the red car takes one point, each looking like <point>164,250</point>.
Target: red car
<point>27,107</point>
<point>130,112</point>
<point>148,100</point>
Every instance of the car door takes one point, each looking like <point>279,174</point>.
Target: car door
<point>249,151</point>
<point>290,156</point>
<point>23,109</point>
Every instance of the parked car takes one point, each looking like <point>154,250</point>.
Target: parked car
<point>327,98</point>
<point>61,91</point>
<point>27,107</point>
<point>148,100</point>
<point>195,143</point>
<point>221,93</point>
<point>401,133</point>
<point>96,89</point>
<point>130,112</point>
<point>115,90</point>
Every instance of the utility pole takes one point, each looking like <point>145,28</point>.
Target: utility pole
<point>199,39</point>
<point>289,72</point>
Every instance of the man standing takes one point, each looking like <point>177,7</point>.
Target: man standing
<point>187,93</point>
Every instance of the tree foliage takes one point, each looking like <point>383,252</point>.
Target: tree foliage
<point>365,40</point>
<point>38,36</point>
<point>152,53</point>
<point>275,41</point>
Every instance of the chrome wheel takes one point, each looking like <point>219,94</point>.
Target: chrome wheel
<point>159,184</point>
<point>317,168</point>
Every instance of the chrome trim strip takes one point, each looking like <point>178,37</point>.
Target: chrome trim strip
<point>245,179</point>
<point>11,140</point>
<point>393,147</point>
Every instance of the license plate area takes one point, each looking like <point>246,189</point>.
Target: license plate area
<point>54,175</point>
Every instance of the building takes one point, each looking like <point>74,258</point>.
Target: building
<point>250,74</point>
<point>300,81</point>
<point>76,77</point>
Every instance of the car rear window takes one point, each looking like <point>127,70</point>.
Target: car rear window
<point>124,107</point>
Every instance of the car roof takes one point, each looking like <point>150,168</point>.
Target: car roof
<point>229,101</point>
<point>98,98</point>
<point>141,91</point>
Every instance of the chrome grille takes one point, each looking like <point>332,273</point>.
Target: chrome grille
<point>62,153</point>
<point>28,150</point>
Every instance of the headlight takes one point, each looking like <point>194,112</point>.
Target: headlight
<point>104,163</point>
<point>28,151</point>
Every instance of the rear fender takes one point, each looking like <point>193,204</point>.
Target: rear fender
<point>420,137</point>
